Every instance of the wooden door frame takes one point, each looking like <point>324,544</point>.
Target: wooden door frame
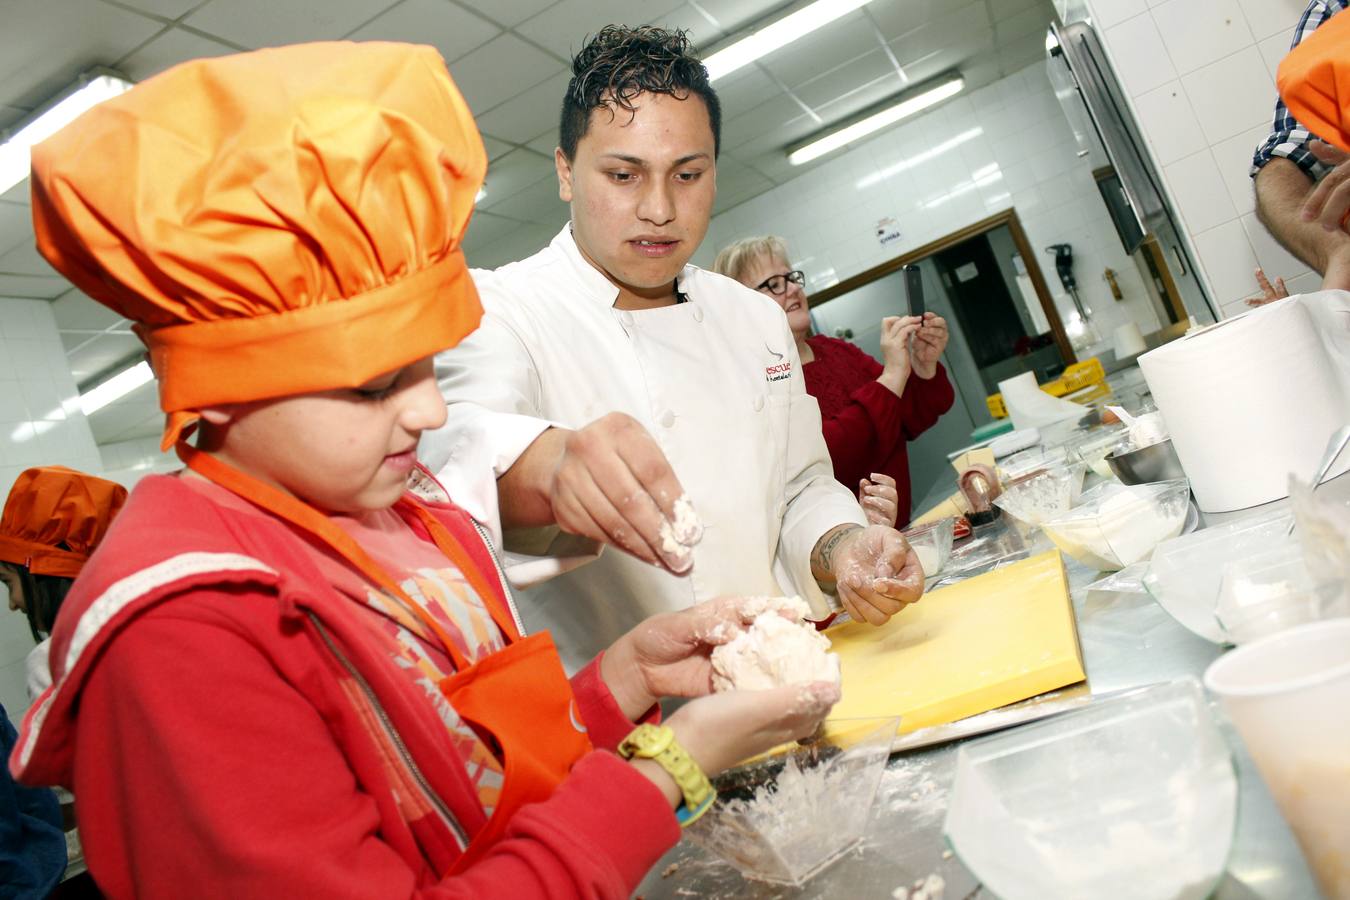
<point>1007,217</point>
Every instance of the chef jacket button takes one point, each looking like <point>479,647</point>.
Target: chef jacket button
<point>667,419</point>
<point>626,318</point>
<point>698,314</point>
<point>759,402</point>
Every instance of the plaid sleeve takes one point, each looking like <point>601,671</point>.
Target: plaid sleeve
<point>1289,139</point>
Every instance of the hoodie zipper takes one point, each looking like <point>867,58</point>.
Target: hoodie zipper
<point>393,735</point>
<point>501,575</point>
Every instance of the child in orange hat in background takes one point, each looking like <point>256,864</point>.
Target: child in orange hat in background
<point>53,519</point>
<point>295,669</point>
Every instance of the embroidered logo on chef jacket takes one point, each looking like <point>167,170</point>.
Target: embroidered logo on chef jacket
<point>781,370</point>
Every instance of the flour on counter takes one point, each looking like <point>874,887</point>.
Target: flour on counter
<point>774,651</point>
<point>928,557</point>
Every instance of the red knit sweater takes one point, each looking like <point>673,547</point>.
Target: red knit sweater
<point>867,426</point>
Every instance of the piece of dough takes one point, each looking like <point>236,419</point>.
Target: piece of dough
<point>774,651</point>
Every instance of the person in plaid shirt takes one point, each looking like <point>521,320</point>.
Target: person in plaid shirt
<point>1303,184</point>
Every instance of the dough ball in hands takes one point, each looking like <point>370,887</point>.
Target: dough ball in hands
<point>778,649</point>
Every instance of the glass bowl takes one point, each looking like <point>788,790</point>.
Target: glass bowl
<point>1117,525</point>
<point>786,817</point>
<point>932,541</point>
<point>1133,799</point>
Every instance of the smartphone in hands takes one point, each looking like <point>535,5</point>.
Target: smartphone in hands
<point>914,290</point>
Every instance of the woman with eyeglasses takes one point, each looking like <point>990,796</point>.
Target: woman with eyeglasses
<point>871,410</point>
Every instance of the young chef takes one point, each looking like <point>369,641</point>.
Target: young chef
<point>699,377</point>
<point>283,674</point>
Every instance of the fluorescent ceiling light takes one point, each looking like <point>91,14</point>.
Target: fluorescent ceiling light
<point>875,122</point>
<point>478,198</point>
<point>116,387</point>
<point>776,35</point>
<point>15,155</point>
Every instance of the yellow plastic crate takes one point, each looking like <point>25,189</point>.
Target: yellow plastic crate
<point>1074,378</point>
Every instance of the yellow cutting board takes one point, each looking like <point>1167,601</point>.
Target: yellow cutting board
<point>964,649</point>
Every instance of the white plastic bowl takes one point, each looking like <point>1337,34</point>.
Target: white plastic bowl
<point>1044,496</point>
<point>1132,799</point>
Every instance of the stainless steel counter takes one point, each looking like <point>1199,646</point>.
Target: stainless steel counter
<point>1127,641</point>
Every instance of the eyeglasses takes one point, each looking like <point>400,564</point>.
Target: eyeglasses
<point>776,284</point>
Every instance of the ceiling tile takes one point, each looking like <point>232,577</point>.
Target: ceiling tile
<point>897,18</point>
<point>16,225</point>
<point>736,15</point>
<point>31,287</point>
<point>501,69</point>
<point>862,72</point>
<point>18,195</point>
<point>494,147</point>
<point>75,312</point>
<point>564,27</point>
<point>545,143</point>
<point>449,28</point>
<point>44,46</point>
<point>169,49</point>
<point>744,90</point>
<point>12,115</point>
<point>25,260</point>
<point>962,30</point>
<point>702,33</point>
<point>768,117</point>
<point>823,50</point>
<point>513,173</point>
<point>518,120</point>
<point>737,182</point>
<point>537,203</point>
<point>267,23</point>
<point>168,9</point>
<point>508,12</point>
<point>1033,21</point>
<point>484,230</point>
<point>1017,55</point>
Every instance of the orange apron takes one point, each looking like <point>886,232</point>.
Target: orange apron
<point>518,697</point>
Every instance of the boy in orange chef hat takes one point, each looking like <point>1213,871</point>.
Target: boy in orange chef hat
<point>284,673</point>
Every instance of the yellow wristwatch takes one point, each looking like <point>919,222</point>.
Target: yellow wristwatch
<point>657,742</point>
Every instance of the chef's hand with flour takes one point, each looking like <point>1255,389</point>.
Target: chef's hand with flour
<point>669,655</point>
<point>610,482</point>
<point>873,570</point>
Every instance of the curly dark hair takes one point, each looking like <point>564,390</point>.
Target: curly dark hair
<point>618,64</point>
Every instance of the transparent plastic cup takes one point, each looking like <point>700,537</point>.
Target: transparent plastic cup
<point>787,817</point>
<point>1289,696</point>
<point>932,541</point>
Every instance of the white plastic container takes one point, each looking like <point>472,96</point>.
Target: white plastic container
<point>1289,697</point>
<point>1131,799</point>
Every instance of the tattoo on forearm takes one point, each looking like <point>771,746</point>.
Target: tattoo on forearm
<point>824,554</point>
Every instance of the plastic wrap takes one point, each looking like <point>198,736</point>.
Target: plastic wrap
<point>1116,525</point>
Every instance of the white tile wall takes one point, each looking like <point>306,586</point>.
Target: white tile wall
<point>40,424</point>
<point>1006,145</point>
<point>1223,55</point>
<point>127,462</point>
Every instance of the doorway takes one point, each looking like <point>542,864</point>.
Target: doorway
<point>987,284</point>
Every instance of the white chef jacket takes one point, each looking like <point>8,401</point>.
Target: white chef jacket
<point>717,382</point>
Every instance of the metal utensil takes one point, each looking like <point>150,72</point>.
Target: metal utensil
<point>1334,447</point>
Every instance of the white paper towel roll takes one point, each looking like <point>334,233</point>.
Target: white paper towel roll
<point>1129,340</point>
<point>1031,407</point>
<point>1249,400</point>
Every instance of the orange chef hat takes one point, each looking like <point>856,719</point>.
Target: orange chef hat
<point>276,222</point>
<point>53,506</point>
<point>1314,81</point>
